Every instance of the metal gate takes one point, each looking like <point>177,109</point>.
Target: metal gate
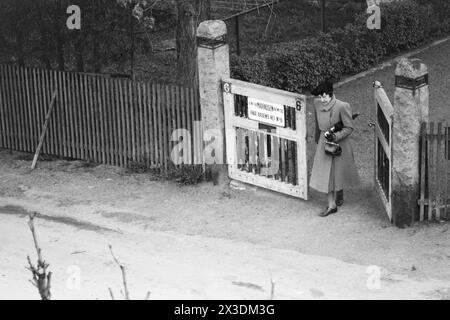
<point>266,137</point>
<point>383,147</point>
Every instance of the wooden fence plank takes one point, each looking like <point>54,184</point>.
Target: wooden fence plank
<point>79,113</point>
<point>4,129</point>
<point>23,130</point>
<point>430,170</point>
<point>446,178</point>
<point>140,124</point>
<point>422,169</point>
<point>120,122</point>
<point>439,173</point>
<point>27,109</point>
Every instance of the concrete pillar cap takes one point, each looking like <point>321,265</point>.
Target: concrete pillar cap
<point>212,29</point>
<point>411,68</point>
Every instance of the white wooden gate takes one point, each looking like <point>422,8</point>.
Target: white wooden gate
<point>266,137</point>
<point>383,148</point>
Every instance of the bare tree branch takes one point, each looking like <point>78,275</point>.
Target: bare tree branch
<point>41,278</point>
<point>124,275</point>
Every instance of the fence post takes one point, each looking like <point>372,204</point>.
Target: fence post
<point>213,66</point>
<point>410,109</point>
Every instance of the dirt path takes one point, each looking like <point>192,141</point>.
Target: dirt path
<point>205,242</point>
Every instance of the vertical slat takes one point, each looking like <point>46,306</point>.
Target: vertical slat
<point>123,107</point>
<point>253,144</point>
<point>110,124</point>
<point>83,114</point>
<point>79,112</point>
<point>115,91</point>
<point>196,128</point>
<point>87,116</point>
<point>179,111</point>
<point>240,155</point>
<point>35,107</point>
<point>58,114</point>
<point>29,115</point>
<point>446,169</point>
<point>18,110</point>
<point>92,127</point>
<point>52,125</point>
<point>7,105</point>
<point>188,119</point>
<point>13,107</point>
<point>166,131</point>
<point>283,160</point>
<point>265,153</point>
<point>72,119</point>
<point>42,103</point>
<point>439,173</point>
<point>21,111</point>
<point>422,169</point>
<point>182,111</point>
<point>101,119</point>
<point>131,115</point>
<point>155,125</point>
<point>140,144</point>
<point>146,131</point>
<point>10,107</point>
<point>430,170</point>
<point>3,103</point>
<point>170,120</point>
<point>96,112</point>
<point>65,117</point>
<point>160,121</point>
<point>276,157</point>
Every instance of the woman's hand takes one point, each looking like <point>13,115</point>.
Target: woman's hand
<point>329,136</point>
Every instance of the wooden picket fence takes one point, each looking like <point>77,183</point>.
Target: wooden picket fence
<point>434,201</point>
<point>97,118</point>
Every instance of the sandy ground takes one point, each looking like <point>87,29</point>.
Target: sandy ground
<point>209,242</point>
<point>204,242</point>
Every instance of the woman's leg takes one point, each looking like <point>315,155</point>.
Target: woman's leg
<point>331,200</point>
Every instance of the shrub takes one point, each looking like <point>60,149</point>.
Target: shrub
<point>297,66</point>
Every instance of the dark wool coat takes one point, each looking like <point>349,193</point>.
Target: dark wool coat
<point>333,173</point>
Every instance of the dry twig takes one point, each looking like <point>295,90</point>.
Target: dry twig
<point>124,279</point>
<point>41,277</point>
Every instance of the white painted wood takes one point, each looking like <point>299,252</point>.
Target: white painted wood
<point>263,93</point>
<point>233,122</point>
<point>381,99</point>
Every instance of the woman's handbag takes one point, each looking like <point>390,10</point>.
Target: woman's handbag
<point>332,149</point>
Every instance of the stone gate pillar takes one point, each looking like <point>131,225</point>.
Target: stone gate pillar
<point>410,109</point>
<point>213,65</point>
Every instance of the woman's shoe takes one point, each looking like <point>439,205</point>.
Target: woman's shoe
<point>340,198</point>
<point>327,212</point>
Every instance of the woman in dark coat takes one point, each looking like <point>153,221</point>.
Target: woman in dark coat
<point>332,173</point>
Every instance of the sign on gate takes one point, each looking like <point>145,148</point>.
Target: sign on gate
<point>383,147</point>
<point>265,132</point>
<point>263,111</point>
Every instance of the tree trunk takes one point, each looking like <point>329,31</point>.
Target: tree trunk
<point>203,10</point>
<point>186,44</point>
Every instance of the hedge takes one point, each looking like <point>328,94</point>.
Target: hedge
<point>300,65</point>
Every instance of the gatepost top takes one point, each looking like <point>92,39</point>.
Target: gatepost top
<point>212,29</point>
<point>411,68</point>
